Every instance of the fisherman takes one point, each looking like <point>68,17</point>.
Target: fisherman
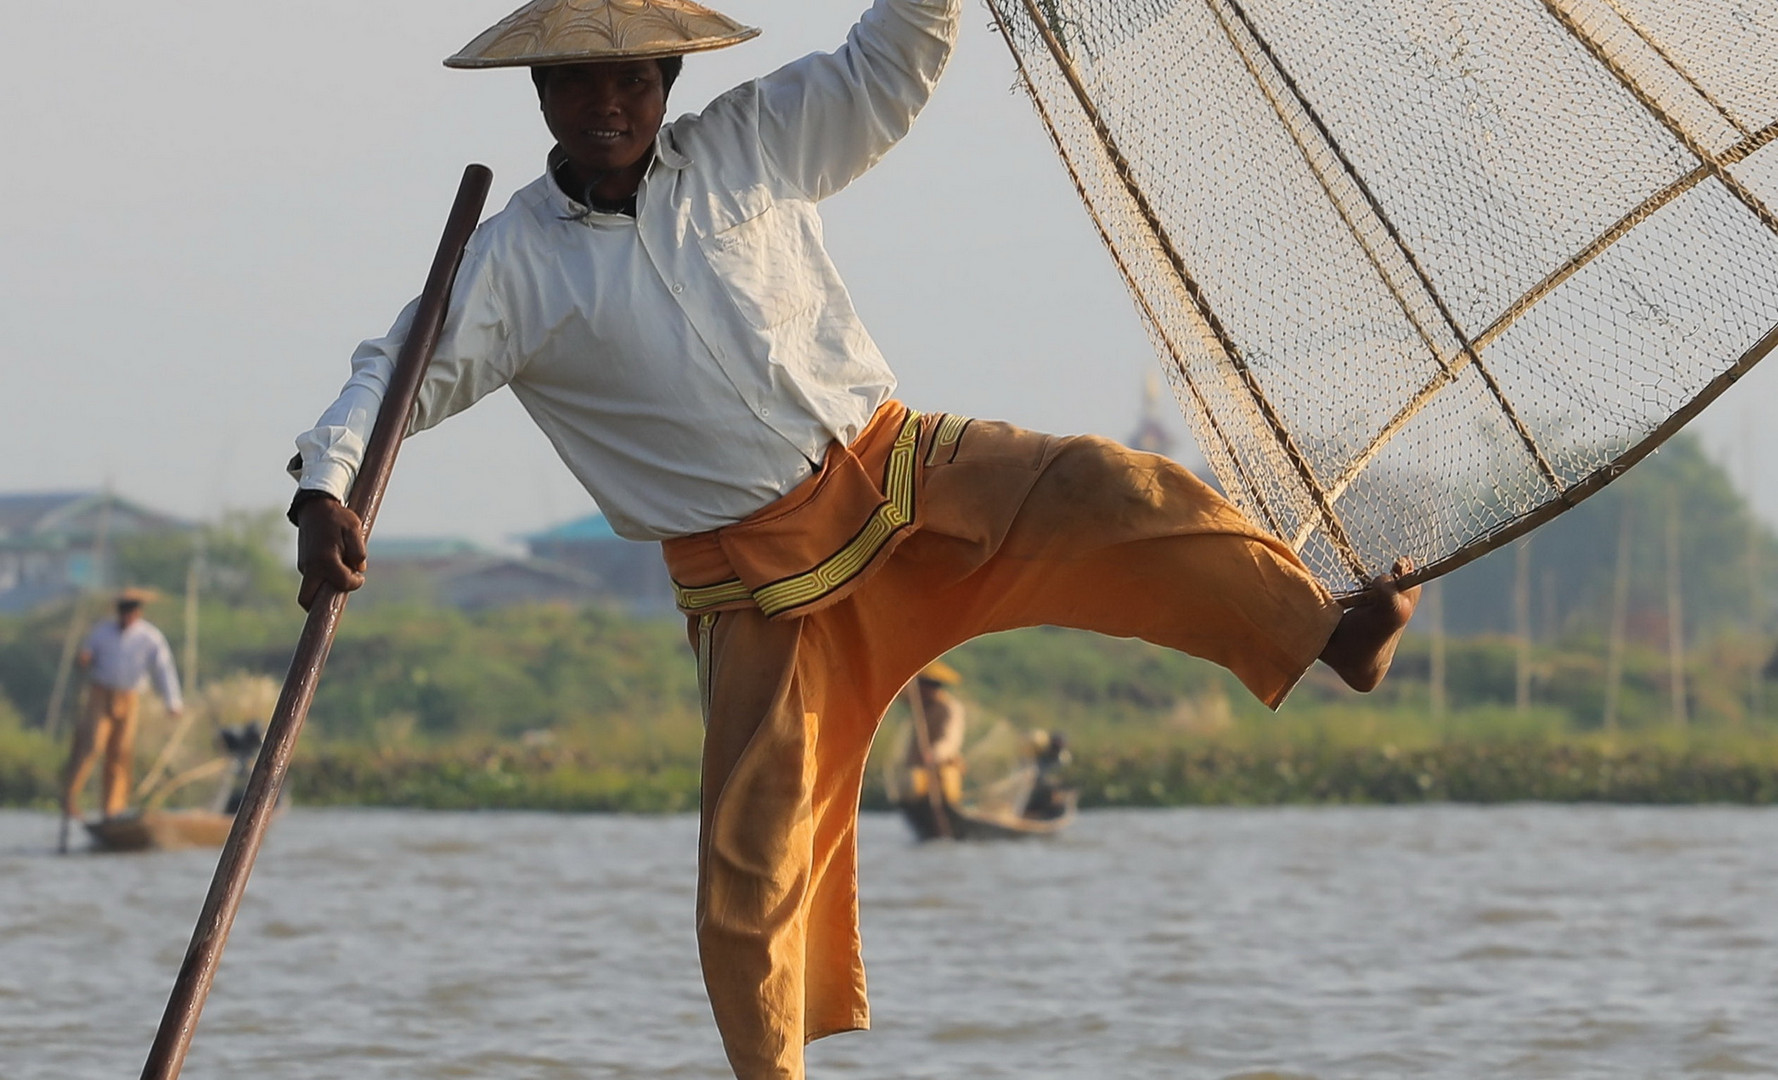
<point>661,302</point>
<point>1048,799</point>
<point>119,655</point>
<point>935,742</point>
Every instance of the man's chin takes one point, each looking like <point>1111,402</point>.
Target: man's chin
<point>605,161</point>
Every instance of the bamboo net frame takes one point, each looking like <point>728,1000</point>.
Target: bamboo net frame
<point>1424,274</point>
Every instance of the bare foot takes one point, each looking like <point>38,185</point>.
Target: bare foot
<point>1363,644</point>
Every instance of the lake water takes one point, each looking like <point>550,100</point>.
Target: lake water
<point>1527,941</point>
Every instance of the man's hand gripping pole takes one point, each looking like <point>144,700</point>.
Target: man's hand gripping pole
<point>198,972</point>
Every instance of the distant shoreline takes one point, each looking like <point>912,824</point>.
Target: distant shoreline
<point>1205,774</point>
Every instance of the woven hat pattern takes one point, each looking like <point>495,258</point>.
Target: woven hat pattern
<point>570,31</point>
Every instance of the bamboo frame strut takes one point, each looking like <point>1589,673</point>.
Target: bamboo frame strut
<point>1230,12</point>
<point>1594,482</point>
<point>1717,167</point>
<point>1149,315</point>
<point>1468,351</point>
<point>196,975</point>
<point>1679,69</point>
<point>1518,308</point>
<point>1299,461</point>
<point>1513,313</point>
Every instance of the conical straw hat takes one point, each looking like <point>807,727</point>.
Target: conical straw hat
<point>942,673</point>
<point>579,31</point>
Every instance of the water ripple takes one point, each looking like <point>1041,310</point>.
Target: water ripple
<point>1288,944</point>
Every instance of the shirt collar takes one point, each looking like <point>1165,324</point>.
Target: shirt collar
<point>666,155</point>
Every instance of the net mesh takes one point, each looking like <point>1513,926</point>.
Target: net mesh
<point>1424,273</point>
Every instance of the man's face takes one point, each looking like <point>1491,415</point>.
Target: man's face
<point>128,613</point>
<point>605,115</point>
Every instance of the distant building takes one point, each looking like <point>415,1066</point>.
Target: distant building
<point>456,573</point>
<point>54,544</point>
<point>579,562</point>
<point>632,573</point>
<point>1150,434</point>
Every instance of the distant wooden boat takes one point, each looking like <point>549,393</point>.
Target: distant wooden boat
<point>161,830</point>
<point>969,823</point>
<point>172,830</point>
<point>1007,785</point>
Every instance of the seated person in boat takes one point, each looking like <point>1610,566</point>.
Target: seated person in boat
<point>1048,799</point>
<point>661,302</point>
<point>120,654</point>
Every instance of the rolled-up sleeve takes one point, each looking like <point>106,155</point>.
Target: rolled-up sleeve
<point>828,117</point>
<point>473,359</point>
<point>164,674</point>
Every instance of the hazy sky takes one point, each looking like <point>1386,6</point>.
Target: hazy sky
<point>205,205</point>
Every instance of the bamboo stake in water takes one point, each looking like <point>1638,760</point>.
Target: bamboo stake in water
<point>77,627</point>
<point>1436,677</point>
<point>1522,626</point>
<point>1620,611</point>
<point>188,668</point>
<point>196,975</point>
<point>1675,617</point>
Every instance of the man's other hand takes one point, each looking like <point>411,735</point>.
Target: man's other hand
<point>329,549</point>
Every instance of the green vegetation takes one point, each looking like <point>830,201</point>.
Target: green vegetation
<point>557,708</point>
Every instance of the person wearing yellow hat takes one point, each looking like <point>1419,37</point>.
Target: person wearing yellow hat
<point>935,743</point>
<point>119,655</point>
<point>661,302</point>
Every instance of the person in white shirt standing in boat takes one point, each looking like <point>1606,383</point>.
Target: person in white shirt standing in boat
<point>661,302</point>
<point>119,656</point>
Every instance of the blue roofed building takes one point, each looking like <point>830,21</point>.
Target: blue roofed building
<point>631,573</point>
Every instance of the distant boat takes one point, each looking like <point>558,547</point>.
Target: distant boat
<point>969,823</point>
<point>172,830</point>
<point>1008,790</point>
<point>161,830</point>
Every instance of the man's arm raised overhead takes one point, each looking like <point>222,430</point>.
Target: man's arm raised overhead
<point>825,119</point>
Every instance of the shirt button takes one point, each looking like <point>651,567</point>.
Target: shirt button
<point>678,288</point>
<point>765,410</point>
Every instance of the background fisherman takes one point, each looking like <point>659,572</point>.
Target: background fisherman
<point>938,711</point>
<point>661,303</point>
<point>119,655</point>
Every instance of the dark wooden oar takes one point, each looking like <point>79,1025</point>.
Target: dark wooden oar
<point>941,814</point>
<point>199,970</point>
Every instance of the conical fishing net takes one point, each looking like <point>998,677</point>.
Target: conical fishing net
<point>1424,273</point>
<point>998,772</point>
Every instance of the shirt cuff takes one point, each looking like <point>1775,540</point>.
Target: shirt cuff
<point>305,496</point>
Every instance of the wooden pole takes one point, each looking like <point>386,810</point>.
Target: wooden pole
<point>71,646</point>
<point>1675,617</point>
<point>941,817</point>
<point>194,571</point>
<point>1620,610</point>
<point>1755,592</point>
<point>188,670</point>
<point>179,1023</point>
<point>1436,678</point>
<point>77,616</point>
<point>1522,627</point>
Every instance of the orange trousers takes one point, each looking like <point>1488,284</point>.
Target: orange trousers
<point>108,723</point>
<point>1009,529</point>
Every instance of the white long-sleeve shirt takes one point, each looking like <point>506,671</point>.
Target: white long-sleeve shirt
<point>690,364</point>
<point>122,658</point>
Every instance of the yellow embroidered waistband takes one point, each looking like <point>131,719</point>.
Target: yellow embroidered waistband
<point>817,543</point>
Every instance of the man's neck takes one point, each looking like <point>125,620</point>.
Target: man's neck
<point>611,192</point>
